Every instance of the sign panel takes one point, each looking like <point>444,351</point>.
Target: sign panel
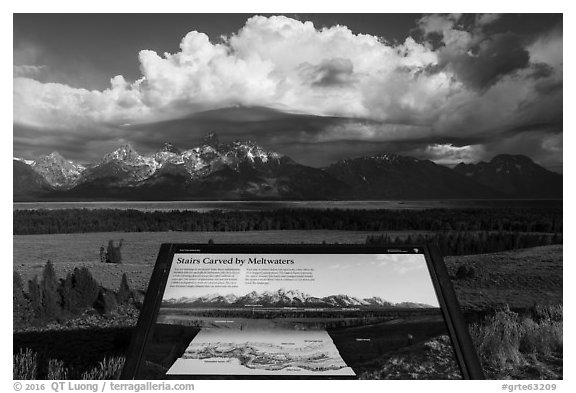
<point>285,312</point>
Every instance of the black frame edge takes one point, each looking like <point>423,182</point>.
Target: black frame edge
<point>147,313</point>
<point>462,343</point>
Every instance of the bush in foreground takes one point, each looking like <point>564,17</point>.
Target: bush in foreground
<point>510,345</point>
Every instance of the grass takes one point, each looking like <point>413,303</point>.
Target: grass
<point>519,279</point>
<point>109,368</point>
<point>432,359</point>
<point>57,370</point>
<point>513,346</point>
<point>26,366</point>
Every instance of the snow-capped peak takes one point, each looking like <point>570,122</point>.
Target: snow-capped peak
<point>124,153</point>
<point>58,171</point>
<point>199,162</point>
<point>28,162</point>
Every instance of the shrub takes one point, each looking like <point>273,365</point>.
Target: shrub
<point>57,369</point>
<point>109,368</point>
<point>22,312</point>
<point>464,272</point>
<point>551,313</point>
<point>124,292</point>
<point>85,289</point>
<point>505,340</point>
<point>113,254</point>
<point>25,365</point>
<point>35,298</point>
<point>498,339</point>
<point>50,296</point>
<point>106,301</point>
<point>543,338</point>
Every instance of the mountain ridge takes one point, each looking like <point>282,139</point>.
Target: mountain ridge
<point>243,170</point>
<point>515,175</point>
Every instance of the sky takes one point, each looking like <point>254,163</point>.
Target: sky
<point>317,87</point>
<point>392,277</point>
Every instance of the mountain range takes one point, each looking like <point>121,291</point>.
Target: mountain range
<point>285,298</point>
<point>246,171</point>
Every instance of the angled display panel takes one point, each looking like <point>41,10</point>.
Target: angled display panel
<point>270,311</point>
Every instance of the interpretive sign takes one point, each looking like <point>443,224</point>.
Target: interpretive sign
<point>297,312</point>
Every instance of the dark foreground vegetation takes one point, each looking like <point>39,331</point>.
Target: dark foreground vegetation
<point>29,364</point>
<point>72,328</point>
<point>521,346</point>
<point>50,300</point>
<point>548,220</point>
<point>510,346</point>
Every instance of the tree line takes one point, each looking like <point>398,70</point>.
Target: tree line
<point>114,220</point>
<point>469,243</point>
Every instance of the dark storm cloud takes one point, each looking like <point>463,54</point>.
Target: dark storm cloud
<point>488,61</point>
<point>266,126</point>
<point>481,49</point>
<point>541,70</point>
<point>86,146</point>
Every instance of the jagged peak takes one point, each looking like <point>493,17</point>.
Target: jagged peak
<point>56,155</point>
<point>126,147</point>
<point>211,139</point>
<point>124,152</point>
<point>168,147</point>
<point>56,158</point>
<point>52,157</point>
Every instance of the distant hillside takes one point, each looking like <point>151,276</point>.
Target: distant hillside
<point>516,176</point>
<point>390,176</point>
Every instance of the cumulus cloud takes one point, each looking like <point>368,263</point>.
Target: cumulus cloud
<point>334,72</point>
<point>401,264</point>
<point>276,62</point>
<point>454,81</point>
